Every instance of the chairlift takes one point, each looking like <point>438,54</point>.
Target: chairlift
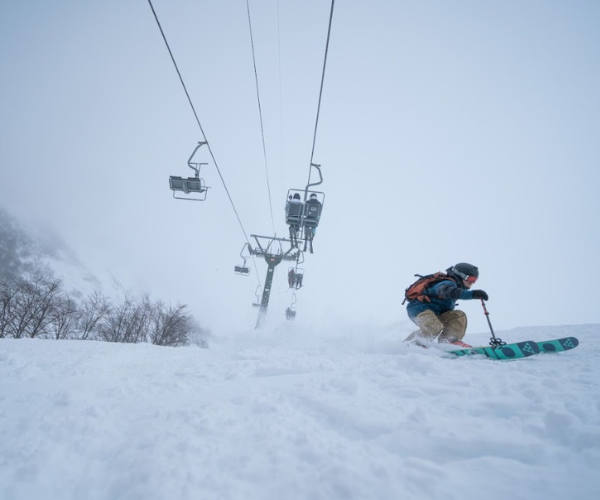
<point>290,313</point>
<point>243,270</point>
<point>194,188</point>
<point>295,277</point>
<point>303,210</point>
<point>257,294</point>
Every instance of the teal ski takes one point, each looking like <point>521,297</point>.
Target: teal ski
<point>558,345</point>
<point>517,350</point>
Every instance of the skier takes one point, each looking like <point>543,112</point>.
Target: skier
<point>313,212</point>
<point>299,278</point>
<point>290,314</point>
<point>433,309</point>
<point>293,216</point>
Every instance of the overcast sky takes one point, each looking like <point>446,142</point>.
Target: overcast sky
<point>449,131</point>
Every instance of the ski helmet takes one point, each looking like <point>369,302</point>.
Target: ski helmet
<point>464,271</point>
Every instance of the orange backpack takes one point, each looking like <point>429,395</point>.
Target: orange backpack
<point>417,289</point>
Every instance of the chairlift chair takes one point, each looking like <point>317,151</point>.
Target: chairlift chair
<point>298,277</point>
<point>312,214</point>
<point>242,270</point>
<point>194,188</point>
<point>303,214</point>
<point>257,293</point>
<point>290,313</point>
<point>293,210</point>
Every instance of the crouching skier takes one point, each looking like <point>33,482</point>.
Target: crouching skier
<point>431,303</point>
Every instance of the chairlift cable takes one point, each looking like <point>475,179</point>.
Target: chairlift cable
<point>321,91</point>
<point>281,161</point>
<point>178,72</point>
<point>302,225</point>
<point>198,121</point>
<point>262,129</point>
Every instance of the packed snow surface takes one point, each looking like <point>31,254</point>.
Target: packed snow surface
<point>295,413</point>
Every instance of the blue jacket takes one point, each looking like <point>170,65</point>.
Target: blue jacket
<point>443,295</point>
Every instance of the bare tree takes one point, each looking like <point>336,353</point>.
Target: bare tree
<point>92,311</point>
<point>23,307</point>
<point>33,302</point>
<point>170,325</point>
<point>46,291</point>
<point>8,292</point>
<point>127,321</point>
<point>63,318</point>
<point>138,329</point>
<point>113,327</point>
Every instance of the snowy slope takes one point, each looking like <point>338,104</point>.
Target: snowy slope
<point>298,414</point>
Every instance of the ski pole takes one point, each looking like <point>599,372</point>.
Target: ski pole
<point>494,342</point>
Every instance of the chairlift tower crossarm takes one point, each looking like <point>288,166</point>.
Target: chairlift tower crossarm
<point>262,252</point>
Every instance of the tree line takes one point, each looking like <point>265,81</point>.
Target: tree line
<point>38,306</point>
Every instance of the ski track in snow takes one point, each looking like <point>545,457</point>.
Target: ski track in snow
<point>299,414</point>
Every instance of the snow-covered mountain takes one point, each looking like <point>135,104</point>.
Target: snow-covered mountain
<point>299,414</point>
<point>26,246</point>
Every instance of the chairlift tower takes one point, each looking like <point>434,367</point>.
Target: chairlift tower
<point>272,259</point>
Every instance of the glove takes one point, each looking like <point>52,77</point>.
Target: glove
<point>480,294</point>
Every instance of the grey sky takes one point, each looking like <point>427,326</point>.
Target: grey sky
<point>449,131</point>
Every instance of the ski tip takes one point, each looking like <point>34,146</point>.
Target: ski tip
<point>558,345</point>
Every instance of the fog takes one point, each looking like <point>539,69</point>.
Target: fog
<point>448,132</point>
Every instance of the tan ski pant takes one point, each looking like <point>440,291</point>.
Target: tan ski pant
<point>449,325</point>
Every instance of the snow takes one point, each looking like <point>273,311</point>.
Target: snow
<point>299,413</point>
